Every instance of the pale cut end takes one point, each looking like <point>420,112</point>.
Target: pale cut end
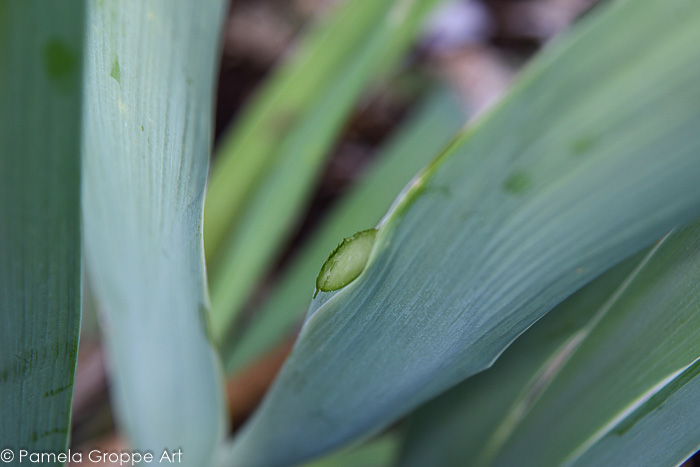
<point>346,262</point>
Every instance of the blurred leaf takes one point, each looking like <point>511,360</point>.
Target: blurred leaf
<point>267,165</point>
<point>592,156</point>
<point>40,102</point>
<point>378,452</point>
<point>150,73</point>
<point>440,117</point>
<point>635,362</point>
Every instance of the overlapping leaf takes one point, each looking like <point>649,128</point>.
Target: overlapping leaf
<point>463,424</point>
<point>621,380</point>
<point>150,73</point>
<point>642,353</point>
<point>592,156</point>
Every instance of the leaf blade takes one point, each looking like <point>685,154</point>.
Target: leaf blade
<point>527,248</point>
<point>642,347</point>
<point>147,140</point>
<point>40,268</point>
<point>443,431</point>
<point>440,116</point>
<point>633,357</point>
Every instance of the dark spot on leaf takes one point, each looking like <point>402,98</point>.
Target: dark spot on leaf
<point>283,121</point>
<point>57,431</point>
<point>517,183</point>
<point>55,391</point>
<point>60,62</point>
<point>116,71</point>
<point>582,145</point>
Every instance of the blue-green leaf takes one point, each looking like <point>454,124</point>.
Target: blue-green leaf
<point>613,386</point>
<point>461,426</point>
<point>592,156</point>
<point>150,74</point>
<point>40,102</point>
<point>440,116</point>
<point>638,361</point>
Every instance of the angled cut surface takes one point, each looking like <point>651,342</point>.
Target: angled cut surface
<point>346,262</point>
<point>150,73</point>
<point>592,156</point>
<point>40,101</point>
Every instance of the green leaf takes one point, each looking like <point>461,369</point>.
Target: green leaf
<point>463,424</point>
<point>466,260</point>
<point>673,409</point>
<point>641,353</point>
<point>150,74</point>
<point>378,452</point>
<point>622,384</point>
<point>267,165</point>
<point>440,116</point>
<point>40,265</point>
